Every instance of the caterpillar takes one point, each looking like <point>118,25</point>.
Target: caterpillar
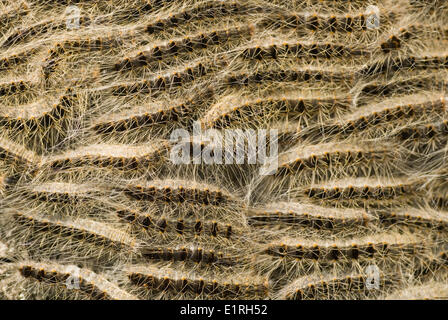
<point>204,10</point>
<point>299,49</point>
<point>376,116</point>
<point>429,291</point>
<point>331,155</point>
<point>167,283</point>
<point>16,153</point>
<point>409,62</point>
<point>60,192</point>
<point>314,22</point>
<point>415,83</point>
<point>179,191</point>
<point>76,46</point>
<point>428,131</point>
<point>233,110</point>
<point>340,286</point>
<point>188,45</point>
<point>84,238</point>
<point>184,228</point>
<point>34,116</point>
<point>122,157</point>
<point>16,87</point>
<point>287,75</point>
<point>9,61</point>
<point>198,255</point>
<point>167,82</point>
<point>24,33</point>
<point>309,216</point>
<point>426,219</point>
<point>383,249</point>
<point>153,117</point>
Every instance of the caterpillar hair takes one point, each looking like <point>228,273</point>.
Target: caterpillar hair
<point>13,13</point>
<point>211,149</point>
